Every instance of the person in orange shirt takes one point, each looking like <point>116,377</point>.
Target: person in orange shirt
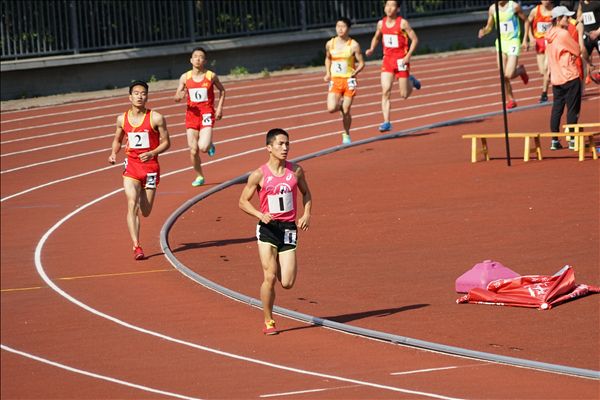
<point>562,52</point>
<point>198,84</point>
<point>341,54</point>
<point>540,20</point>
<point>147,137</point>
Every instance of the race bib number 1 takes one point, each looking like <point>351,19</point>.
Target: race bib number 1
<point>390,40</point>
<point>138,140</point>
<point>280,203</point>
<point>289,237</point>
<point>198,95</point>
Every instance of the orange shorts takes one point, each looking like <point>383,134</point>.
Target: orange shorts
<point>394,65</point>
<point>148,173</point>
<point>540,45</point>
<point>343,86</point>
<point>197,119</point>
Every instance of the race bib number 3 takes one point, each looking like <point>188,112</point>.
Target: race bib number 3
<point>390,40</point>
<point>339,68</point>
<point>351,83</point>
<point>280,203</point>
<point>138,140</point>
<point>198,95</point>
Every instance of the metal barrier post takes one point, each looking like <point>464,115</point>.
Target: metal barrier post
<point>191,20</point>
<point>303,14</point>
<point>73,24</point>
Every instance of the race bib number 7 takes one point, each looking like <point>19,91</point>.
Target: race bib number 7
<point>280,203</point>
<point>138,140</point>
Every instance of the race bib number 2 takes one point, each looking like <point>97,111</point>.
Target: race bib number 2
<point>138,140</point>
<point>151,180</point>
<point>280,203</point>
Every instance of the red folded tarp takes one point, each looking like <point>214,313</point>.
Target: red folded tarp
<point>535,291</point>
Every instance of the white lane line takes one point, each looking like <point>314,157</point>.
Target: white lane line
<point>305,391</point>
<point>235,86</point>
<point>285,91</point>
<point>42,273</point>
<point>94,375</point>
<point>418,371</point>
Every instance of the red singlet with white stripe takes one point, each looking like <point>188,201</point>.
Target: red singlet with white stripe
<point>278,194</point>
<point>201,94</point>
<point>140,138</point>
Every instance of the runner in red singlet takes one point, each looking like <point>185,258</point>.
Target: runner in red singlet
<point>198,84</point>
<point>277,183</point>
<point>397,34</point>
<point>540,20</point>
<point>146,137</point>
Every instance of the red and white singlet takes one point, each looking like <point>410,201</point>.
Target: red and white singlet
<point>140,138</point>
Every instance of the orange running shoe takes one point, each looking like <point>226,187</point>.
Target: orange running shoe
<point>138,253</point>
<point>269,328</point>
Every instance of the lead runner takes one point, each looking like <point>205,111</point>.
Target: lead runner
<point>277,183</point>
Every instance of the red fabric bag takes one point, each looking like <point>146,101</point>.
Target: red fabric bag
<point>535,291</point>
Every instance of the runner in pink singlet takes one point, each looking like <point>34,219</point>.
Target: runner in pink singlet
<point>277,183</point>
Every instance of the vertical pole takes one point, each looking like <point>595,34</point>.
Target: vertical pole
<point>303,14</point>
<point>74,26</point>
<point>502,83</point>
<point>191,20</point>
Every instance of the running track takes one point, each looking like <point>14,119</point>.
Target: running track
<point>81,319</point>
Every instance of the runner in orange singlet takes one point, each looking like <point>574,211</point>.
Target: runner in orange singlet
<point>341,54</point>
<point>147,136</point>
<point>396,32</point>
<point>198,84</point>
<point>540,20</point>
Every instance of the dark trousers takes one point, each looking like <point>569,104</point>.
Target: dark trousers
<point>568,94</point>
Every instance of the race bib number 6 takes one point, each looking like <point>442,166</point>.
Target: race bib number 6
<point>280,203</point>
<point>198,95</point>
<point>138,140</point>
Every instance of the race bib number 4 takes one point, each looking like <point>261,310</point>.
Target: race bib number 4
<point>339,68</point>
<point>138,140</point>
<point>280,203</point>
<point>401,65</point>
<point>390,40</point>
<point>198,95</point>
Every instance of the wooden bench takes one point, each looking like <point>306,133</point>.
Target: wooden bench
<point>528,149</point>
<point>484,147</point>
<point>580,128</point>
<point>579,141</point>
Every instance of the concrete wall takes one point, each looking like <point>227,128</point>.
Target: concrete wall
<point>112,69</point>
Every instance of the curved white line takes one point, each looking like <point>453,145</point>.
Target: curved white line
<point>40,270</point>
<point>94,375</point>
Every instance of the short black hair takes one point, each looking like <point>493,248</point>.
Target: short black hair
<point>137,83</point>
<point>200,49</point>
<point>345,21</point>
<point>273,133</point>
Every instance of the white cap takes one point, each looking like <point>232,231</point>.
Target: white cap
<point>561,11</point>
